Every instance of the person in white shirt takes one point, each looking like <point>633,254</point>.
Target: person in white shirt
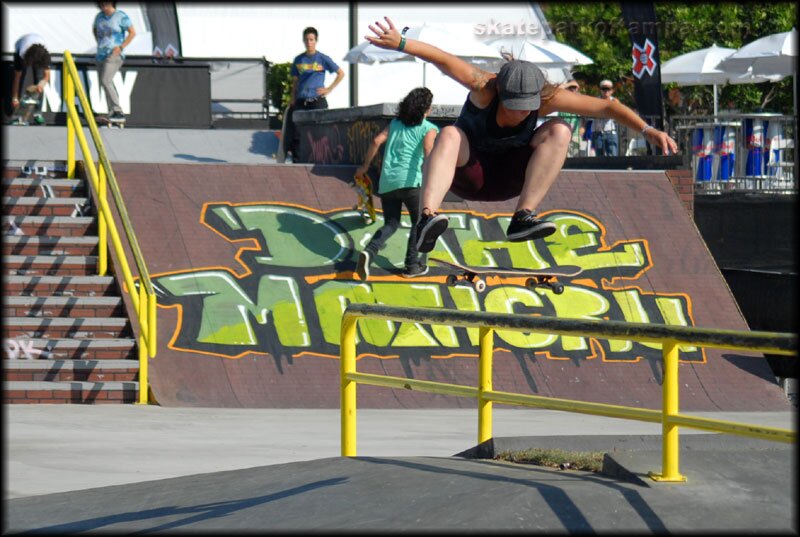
<point>30,52</point>
<point>604,136</point>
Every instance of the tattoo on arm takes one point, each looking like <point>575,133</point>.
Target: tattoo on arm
<point>479,79</point>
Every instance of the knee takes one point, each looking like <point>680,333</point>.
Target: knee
<point>449,136</point>
<point>555,131</point>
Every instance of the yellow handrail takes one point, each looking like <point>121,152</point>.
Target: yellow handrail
<point>670,338</point>
<point>103,178</point>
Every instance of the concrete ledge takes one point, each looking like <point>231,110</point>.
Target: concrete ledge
<point>68,386</point>
<point>72,365</point>
<point>385,110</point>
<point>343,135</point>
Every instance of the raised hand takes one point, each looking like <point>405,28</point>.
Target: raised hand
<point>386,35</point>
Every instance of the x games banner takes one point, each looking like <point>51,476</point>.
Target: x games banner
<point>640,19</point>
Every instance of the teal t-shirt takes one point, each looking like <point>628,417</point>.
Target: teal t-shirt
<point>403,156</point>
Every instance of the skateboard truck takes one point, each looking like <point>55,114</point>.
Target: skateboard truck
<point>545,281</point>
<point>533,278</point>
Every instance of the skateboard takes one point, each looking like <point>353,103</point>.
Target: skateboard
<point>365,205</point>
<point>536,278</point>
<point>280,154</point>
<point>104,121</point>
<point>30,101</point>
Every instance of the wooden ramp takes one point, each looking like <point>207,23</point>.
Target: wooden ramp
<point>255,264</point>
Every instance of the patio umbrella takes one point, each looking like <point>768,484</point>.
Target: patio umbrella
<point>699,68</point>
<point>771,55</point>
<point>544,52</point>
<point>774,54</point>
<point>468,50</point>
<point>555,59</point>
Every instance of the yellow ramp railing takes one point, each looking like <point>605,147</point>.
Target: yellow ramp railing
<point>102,179</point>
<point>670,337</point>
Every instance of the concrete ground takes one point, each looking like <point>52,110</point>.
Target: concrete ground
<point>149,468</point>
<point>175,146</point>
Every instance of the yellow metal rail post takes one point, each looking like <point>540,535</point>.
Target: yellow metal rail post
<point>486,336</point>
<point>69,99</point>
<point>348,387</point>
<point>102,225</point>
<point>144,307</point>
<point>670,447</point>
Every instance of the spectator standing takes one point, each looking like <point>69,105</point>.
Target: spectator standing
<point>605,136</point>
<point>113,31</point>
<point>308,85</point>
<point>409,140</point>
<point>30,52</point>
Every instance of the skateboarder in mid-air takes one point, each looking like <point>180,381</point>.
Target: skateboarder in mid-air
<point>409,140</point>
<point>495,151</point>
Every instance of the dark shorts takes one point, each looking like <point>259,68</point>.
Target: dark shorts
<point>492,176</point>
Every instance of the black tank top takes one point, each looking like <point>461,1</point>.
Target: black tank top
<point>483,133</point>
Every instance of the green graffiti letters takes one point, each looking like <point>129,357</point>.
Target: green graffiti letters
<point>299,280</point>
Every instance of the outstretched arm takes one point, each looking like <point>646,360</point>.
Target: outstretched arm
<point>588,106</point>
<point>386,36</point>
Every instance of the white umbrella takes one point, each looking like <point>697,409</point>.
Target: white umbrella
<point>699,68</point>
<point>771,55</point>
<point>468,50</point>
<point>545,52</point>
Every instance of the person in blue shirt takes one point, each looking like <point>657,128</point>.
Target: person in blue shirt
<point>409,140</point>
<point>113,31</point>
<point>308,85</point>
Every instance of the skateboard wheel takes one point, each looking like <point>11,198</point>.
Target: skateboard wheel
<point>558,288</point>
<point>479,285</point>
<point>530,283</point>
<point>451,279</point>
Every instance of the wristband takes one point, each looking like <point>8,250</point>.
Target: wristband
<point>402,44</point>
<point>646,128</point>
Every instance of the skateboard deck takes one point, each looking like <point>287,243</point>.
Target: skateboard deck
<point>29,103</point>
<point>103,121</point>
<point>365,205</point>
<point>280,154</point>
<point>540,277</point>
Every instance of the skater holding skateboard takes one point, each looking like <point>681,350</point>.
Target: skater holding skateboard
<point>409,140</point>
<point>113,31</point>
<point>30,52</point>
<point>494,151</point>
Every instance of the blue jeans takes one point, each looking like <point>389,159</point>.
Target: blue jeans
<point>605,144</point>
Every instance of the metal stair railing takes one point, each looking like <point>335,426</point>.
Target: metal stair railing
<point>102,179</point>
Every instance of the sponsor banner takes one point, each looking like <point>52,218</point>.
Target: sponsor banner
<point>640,19</point>
<point>151,95</point>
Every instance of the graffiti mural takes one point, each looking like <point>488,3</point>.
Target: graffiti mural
<point>359,139</point>
<point>297,277</point>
